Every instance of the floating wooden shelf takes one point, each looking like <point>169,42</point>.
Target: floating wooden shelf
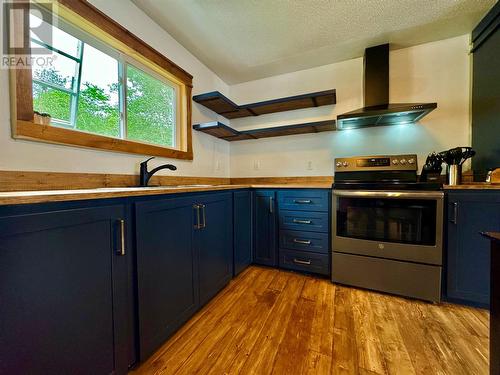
<point>222,131</point>
<point>227,108</point>
<point>217,129</point>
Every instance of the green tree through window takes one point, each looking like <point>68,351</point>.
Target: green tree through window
<point>150,108</point>
<point>89,100</point>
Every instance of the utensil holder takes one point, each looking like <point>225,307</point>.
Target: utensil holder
<point>454,176</point>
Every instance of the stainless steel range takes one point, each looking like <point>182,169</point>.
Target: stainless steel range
<point>387,227</point>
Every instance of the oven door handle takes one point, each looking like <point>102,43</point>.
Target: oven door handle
<point>390,194</point>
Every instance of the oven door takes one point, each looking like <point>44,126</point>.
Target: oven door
<point>402,225</point>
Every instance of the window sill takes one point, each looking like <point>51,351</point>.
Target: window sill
<point>52,134</point>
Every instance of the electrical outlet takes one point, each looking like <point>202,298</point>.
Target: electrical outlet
<point>217,165</point>
<point>310,166</point>
<point>256,165</point>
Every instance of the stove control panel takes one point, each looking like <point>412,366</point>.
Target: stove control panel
<point>377,163</point>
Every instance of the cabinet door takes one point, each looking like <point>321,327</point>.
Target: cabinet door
<point>304,200</point>
<point>214,242</point>
<point>166,269</point>
<point>468,258</point>
<point>242,230</point>
<point>486,95</point>
<point>63,292</point>
<point>265,228</point>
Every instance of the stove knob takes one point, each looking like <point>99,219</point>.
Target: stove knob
<point>339,164</point>
<point>395,161</point>
<point>411,161</point>
<point>403,161</point>
<point>345,164</point>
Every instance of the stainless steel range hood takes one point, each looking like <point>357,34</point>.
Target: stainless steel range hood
<point>377,110</point>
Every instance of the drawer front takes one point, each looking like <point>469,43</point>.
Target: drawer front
<point>304,200</point>
<point>302,261</point>
<point>304,241</point>
<point>388,275</point>
<point>304,221</point>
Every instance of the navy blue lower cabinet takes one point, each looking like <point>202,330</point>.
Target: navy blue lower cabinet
<point>304,220</point>
<point>243,229</point>
<point>265,234</point>
<point>167,269</point>
<point>304,200</point>
<point>468,253</point>
<point>305,241</point>
<point>304,230</point>
<point>63,290</point>
<point>304,261</point>
<point>214,243</point>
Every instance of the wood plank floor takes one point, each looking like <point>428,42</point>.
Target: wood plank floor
<point>269,321</point>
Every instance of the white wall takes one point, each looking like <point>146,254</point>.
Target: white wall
<point>437,71</point>
<point>433,72</point>
<point>211,155</point>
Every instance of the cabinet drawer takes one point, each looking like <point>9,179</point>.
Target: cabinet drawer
<point>304,241</point>
<point>304,221</point>
<point>304,200</point>
<point>302,261</point>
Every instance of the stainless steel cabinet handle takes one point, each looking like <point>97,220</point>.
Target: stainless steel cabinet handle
<point>302,201</point>
<point>455,213</point>
<point>271,209</point>
<point>305,262</point>
<point>303,242</point>
<point>197,208</point>
<point>297,221</point>
<point>204,216</point>
<point>121,250</point>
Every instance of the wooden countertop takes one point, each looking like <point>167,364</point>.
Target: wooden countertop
<point>45,196</point>
<point>495,236</point>
<point>473,186</point>
<point>24,197</point>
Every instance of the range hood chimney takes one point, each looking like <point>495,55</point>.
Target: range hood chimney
<point>376,76</point>
<point>377,110</point>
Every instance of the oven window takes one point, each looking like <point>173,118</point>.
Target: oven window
<point>411,221</point>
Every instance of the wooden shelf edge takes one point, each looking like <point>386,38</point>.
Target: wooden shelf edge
<point>224,106</point>
<point>218,129</point>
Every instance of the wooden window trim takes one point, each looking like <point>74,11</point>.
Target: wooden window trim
<point>90,19</point>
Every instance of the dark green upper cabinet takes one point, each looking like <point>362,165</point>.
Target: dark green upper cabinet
<point>486,94</point>
<point>63,291</point>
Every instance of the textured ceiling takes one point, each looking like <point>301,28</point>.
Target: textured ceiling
<point>243,40</point>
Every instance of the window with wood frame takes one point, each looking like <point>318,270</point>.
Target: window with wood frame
<point>101,87</point>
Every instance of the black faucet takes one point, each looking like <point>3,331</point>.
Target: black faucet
<point>145,175</point>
